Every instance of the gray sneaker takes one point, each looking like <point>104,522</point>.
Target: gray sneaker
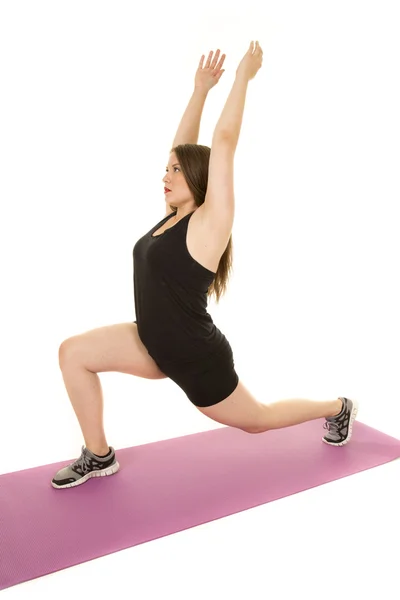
<point>340,427</point>
<point>88,465</point>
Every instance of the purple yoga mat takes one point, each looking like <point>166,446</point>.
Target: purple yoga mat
<point>165,487</point>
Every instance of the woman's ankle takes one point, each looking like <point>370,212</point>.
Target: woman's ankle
<point>99,451</point>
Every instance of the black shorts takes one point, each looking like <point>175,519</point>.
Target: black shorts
<point>205,381</point>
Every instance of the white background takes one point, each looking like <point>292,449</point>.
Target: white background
<point>92,95</point>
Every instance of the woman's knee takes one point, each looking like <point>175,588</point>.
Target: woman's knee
<point>254,428</point>
<point>115,348</point>
<point>68,350</point>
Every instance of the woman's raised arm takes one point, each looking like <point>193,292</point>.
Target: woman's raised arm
<point>205,79</point>
<point>230,121</point>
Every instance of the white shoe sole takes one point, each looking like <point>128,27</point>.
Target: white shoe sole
<point>102,473</point>
<point>350,433</point>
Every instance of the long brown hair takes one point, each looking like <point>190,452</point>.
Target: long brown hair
<point>194,160</point>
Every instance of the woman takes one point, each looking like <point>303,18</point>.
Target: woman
<point>181,261</point>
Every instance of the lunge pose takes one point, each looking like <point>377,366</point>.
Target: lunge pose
<point>178,264</point>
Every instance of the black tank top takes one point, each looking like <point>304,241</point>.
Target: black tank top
<point>170,289</point>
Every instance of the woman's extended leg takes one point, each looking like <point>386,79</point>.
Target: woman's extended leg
<point>243,411</point>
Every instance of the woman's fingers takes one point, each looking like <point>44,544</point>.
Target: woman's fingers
<point>213,64</point>
<point>210,57</point>
<point>215,59</point>
<point>257,47</point>
<point>221,62</point>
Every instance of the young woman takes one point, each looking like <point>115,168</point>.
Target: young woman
<point>181,261</point>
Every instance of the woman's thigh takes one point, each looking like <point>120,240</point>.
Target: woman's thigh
<point>240,409</point>
<point>116,348</point>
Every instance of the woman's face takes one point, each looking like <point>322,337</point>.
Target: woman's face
<point>176,183</point>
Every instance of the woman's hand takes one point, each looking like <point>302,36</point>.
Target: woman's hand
<point>209,76</point>
<point>251,62</point>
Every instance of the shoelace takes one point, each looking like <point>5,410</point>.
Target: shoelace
<point>331,426</point>
<point>82,464</point>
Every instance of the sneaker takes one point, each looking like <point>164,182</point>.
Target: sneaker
<point>88,465</point>
<point>340,427</point>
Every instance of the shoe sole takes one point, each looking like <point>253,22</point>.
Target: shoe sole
<point>352,418</point>
<point>114,468</point>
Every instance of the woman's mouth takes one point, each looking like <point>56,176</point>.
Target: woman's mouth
<point>166,190</point>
